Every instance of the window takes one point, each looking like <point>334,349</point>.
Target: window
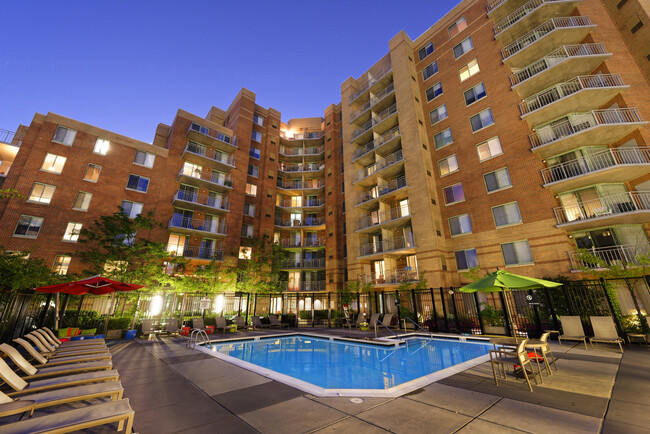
<point>65,136</point>
<point>475,93</point>
<point>258,120</point>
<point>101,146</point>
<point>443,138</point>
<point>257,136</point>
<point>463,47</point>
<point>434,91</point>
<point>255,153</point>
<point>253,170</point>
<point>92,172</point>
<point>468,70</point>
<point>245,252</point>
<point>481,120</point>
<point>138,183</point>
<point>424,52</point>
<point>457,27</point>
<point>61,264</point>
<point>82,202</point>
<point>454,193</point>
<point>247,231</point>
<point>176,244</point>
<point>430,70</point>
<point>132,209</point>
<point>438,114</point>
<point>489,149</point>
<point>41,193</point>
<point>249,209</point>
<point>497,180</point>
<point>517,253</point>
<point>200,128</point>
<point>460,225</point>
<point>466,259</point>
<point>144,159</point>
<point>507,214</point>
<point>53,163</point>
<point>72,232</point>
<point>28,226</point>
<point>448,165</point>
<point>251,189</point>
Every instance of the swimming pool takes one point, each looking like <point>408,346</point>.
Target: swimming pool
<point>331,367</point>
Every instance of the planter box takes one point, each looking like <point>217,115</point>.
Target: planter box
<point>494,330</point>
<point>114,334</point>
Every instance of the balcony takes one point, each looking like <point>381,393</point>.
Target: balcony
<point>387,142</point>
<point>300,168</point>
<point>397,245</point>
<point>202,253</point>
<point>544,38</point>
<point>355,115</point>
<point>377,101</point>
<point>316,285</point>
<point>300,223</point>
<point>628,254</point>
<point>205,179</point>
<point>314,135</point>
<point>531,15</point>
<point>577,129</point>
<point>362,131</point>
<point>385,120</point>
<point>11,137</point>
<point>558,66</point>
<point>308,242</point>
<point>302,264</point>
<point>191,225</point>
<point>200,201</point>
<point>311,184</point>
<point>610,165</point>
<point>632,207</point>
<point>199,154</point>
<point>300,202</point>
<point>388,167</point>
<point>376,78</point>
<point>4,168</point>
<point>391,277</point>
<point>383,189</point>
<point>288,151</point>
<point>578,94</point>
<point>216,140</point>
<point>389,218</point>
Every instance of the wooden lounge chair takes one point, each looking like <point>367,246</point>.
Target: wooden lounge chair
<point>605,331</point>
<point>572,330</point>
<point>221,324</point>
<point>502,358</point>
<point>275,322</point>
<point>42,359</point>
<point>78,419</point>
<point>45,346</point>
<point>241,323</point>
<point>52,339</point>
<point>257,323</point>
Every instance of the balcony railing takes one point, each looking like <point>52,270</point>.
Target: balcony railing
<point>292,203</point>
<point>541,31</point>
<point>374,99</point>
<point>610,205</point>
<point>303,263</point>
<point>210,154</point>
<point>362,129</point>
<point>493,4</point>
<point>627,254</point>
<point>363,108</point>
<point>390,135</point>
<point>208,226</point>
<point>521,13</point>
<point>202,253</point>
<point>391,277</point>
<point>207,176</point>
<point>364,87</point>
<point>4,168</point>
<point>202,199</point>
<point>578,122</point>
<point>307,221</point>
<point>383,217</point>
<point>555,57</point>
<point>217,136</point>
<point>307,167</point>
<point>305,242</point>
<point>314,150</point>
<point>303,136</point>
<point>316,285</point>
<point>10,137</point>
<point>384,114</point>
<point>379,165</point>
<point>562,90</point>
<point>381,189</point>
<point>388,245</point>
<point>300,185</point>
<point>596,161</point>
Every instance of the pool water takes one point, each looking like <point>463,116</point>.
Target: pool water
<point>333,364</point>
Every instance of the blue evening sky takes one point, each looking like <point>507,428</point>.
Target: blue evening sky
<point>128,65</point>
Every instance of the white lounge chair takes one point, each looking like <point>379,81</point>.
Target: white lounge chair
<point>572,330</point>
<point>47,339</point>
<point>605,331</point>
<point>42,361</point>
<point>48,351</point>
<point>51,337</point>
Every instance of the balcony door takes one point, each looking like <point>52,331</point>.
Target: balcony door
<point>183,218</point>
<point>207,248</point>
<point>188,192</point>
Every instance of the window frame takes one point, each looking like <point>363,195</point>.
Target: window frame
<point>132,202</point>
<point>466,261</point>
<point>521,219</point>
<point>452,186</point>
<point>146,154</point>
<point>453,49</point>
<point>99,151</point>
<point>249,205</point>
<point>255,169</point>
<point>56,157</point>
<point>479,117</point>
<point>251,185</point>
<point>74,136</point>
<point>77,198</point>
<point>435,64</point>
<point>14,234</point>
<point>439,119</point>
<point>500,188</point>
<point>460,76</point>
<point>75,240</point>
<point>40,202</point>
<point>444,145</point>
<point>424,49</point>
<point>256,155</point>
<point>67,267</point>
<point>445,159</point>
<point>451,233</point>
<point>455,25</point>
<point>138,183</point>
<point>518,263</point>
<point>98,173</point>
<point>426,94</point>
<point>474,93</point>
<point>258,117</point>
<point>254,136</point>
<point>485,142</point>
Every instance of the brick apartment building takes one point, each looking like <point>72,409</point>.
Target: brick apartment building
<point>508,135</point>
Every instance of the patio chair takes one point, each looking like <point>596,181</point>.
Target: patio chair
<point>605,331</point>
<point>373,320</point>
<point>148,327</point>
<point>387,319</point>
<point>572,330</point>
<point>198,324</point>
<point>275,322</point>
<point>50,353</point>
<point>502,358</point>
<point>71,345</point>
<point>241,323</point>
<point>171,326</point>
<point>78,419</point>
<point>361,317</point>
<point>94,340</point>
<point>257,323</point>
<point>221,324</point>
<point>541,345</point>
<point>74,357</point>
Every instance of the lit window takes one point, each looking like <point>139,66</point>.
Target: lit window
<point>257,136</point>
<point>247,231</point>
<point>448,165</point>
<point>481,120</point>
<point>258,120</point>
<point>517,252</point>
<point>138,183</point>
<point>176,244</point>
<point>132,209</point>
<point>489,149</point>
<point>430,70</point>
<point>457,27</point>
<point>454,194</point>
<point>460,225</point>
<point>434,91</point>
<point>61,264</point>
<point>65,136</point>
<point>92,173</point>
<point>497,180</point>
<point>251,189</point>
<point>41,193</point>
<point>466,259</point>
<point>245,252</point>
<point>474,94</point>
<point>507,214</point>
<point>468,70</point>
<point>438,114</point>
<point>249,209</point>
<point>82,202</point>
<point>72,232</point>
<point>28,226</point>
<point>425,51</point>
<point>255,153</point>
<point>101,146</point>
<point>463,47</point>
<point>443,138</point>
<point>253,170</point>
<point>144,159</point>
<point>53,163</point>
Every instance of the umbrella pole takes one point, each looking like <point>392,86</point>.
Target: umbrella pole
<point>512,324</point>
<point>56,312</point>
<point>108,313</point>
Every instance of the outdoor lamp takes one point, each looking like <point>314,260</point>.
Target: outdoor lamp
<point>218,304</point>
<point>156,305</point>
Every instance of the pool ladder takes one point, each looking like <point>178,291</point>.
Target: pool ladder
<point>418,327</point>
<point>195,336</point>
<point>385,326</point>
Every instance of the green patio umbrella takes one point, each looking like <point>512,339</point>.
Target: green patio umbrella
<point>502,280</point>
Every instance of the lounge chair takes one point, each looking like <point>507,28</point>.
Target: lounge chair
<point>78,419</point>
<point>37,336</point>
<point>221,324</point>
<point>48,352</point>
<point>53,340</point>
<point>257,323</point>
<point>360,318</point>
<point>373,320</point>
<point>275,322</point>
<point>241,323</point>
<point>387,319</point>
<point>171,326</point>
<point>197,323</point>
<point>503,358</point>
<point>605,331</point>
<point>572,330</point>
<point>42,358</point>
<point>148,327</point>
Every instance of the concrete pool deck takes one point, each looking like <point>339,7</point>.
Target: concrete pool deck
<point>174,389</point>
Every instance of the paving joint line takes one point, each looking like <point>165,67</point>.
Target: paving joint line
<point>480,413</point>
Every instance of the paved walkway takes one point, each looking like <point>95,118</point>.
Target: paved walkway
<point>173,389</point>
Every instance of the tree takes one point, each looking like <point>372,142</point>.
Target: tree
<point>10,193</point>
<point>258,268</point>
<point>20,271</point>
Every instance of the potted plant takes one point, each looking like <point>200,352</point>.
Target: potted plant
<point>493,320</point>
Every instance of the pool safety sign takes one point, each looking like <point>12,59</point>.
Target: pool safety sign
<point>533,299</point>
<point>204,303</point>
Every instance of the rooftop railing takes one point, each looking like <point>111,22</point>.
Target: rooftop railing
<point>10,137</point>
<point>521,13</point>
<point>196,149</point>
<point>493,4</point>
<point>364,87</point>
<point>626,254</point>
<point>379,165</point>
<point>378,218</point>
<point>381,189</point>
<point>208,226</point>
<point>609,205</point>
<point>303,136</point>
<point>387,245</point>
<point>202,199</point>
